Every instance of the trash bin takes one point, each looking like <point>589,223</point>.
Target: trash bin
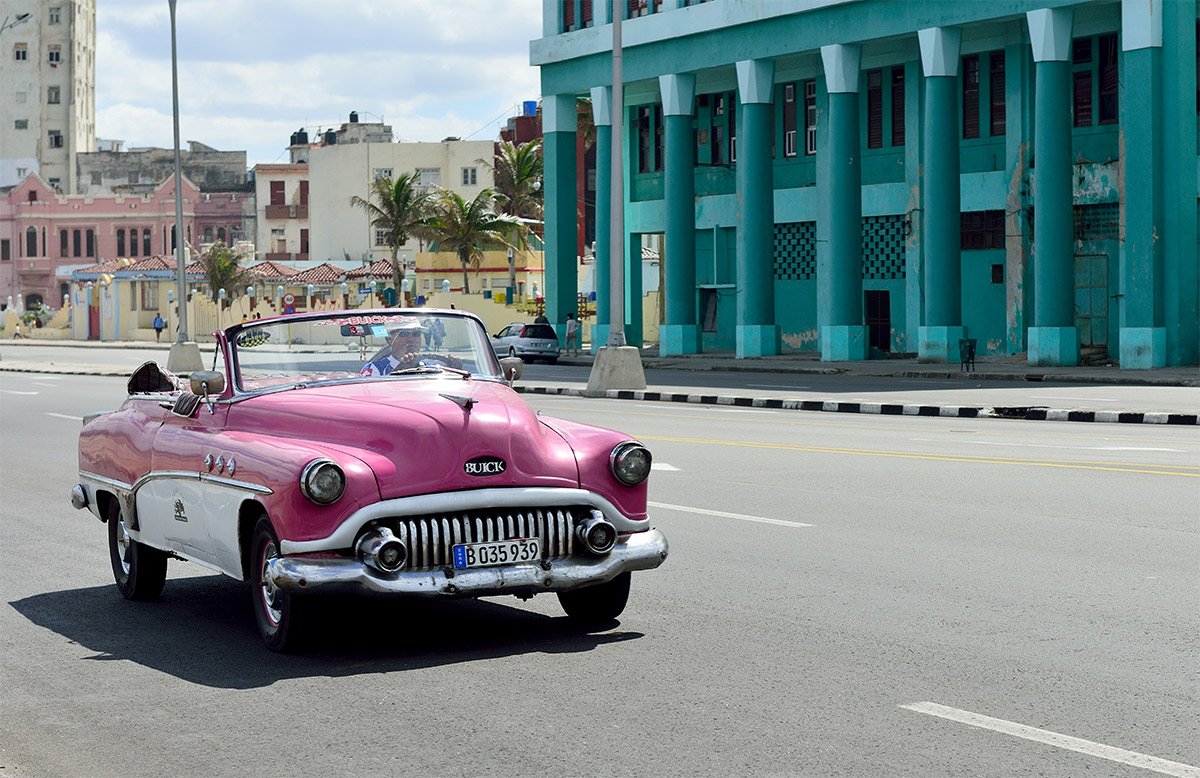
<point>966,354</point>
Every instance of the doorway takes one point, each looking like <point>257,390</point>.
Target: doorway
<point>1091,300</point>
<point>878,307</point>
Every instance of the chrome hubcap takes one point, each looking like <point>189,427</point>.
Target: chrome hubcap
<point>267,589</point>
<point>123,545</point>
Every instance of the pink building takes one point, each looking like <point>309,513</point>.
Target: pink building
<point>44,235</point>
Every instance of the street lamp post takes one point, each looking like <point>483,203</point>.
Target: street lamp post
<point>185,355</point>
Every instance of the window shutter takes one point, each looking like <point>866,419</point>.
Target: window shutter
<point>1083,98</point>
<point>874,109</point>
<point>996,93</point>
<point>970,96</point>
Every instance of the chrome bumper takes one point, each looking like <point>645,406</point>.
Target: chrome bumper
<point>639,551</point>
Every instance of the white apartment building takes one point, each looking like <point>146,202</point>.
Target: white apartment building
<point>340,170</point>
<point>281,194</point>
<point>47,88</point>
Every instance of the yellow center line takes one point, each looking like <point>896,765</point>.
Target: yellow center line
<point>1188,471</point>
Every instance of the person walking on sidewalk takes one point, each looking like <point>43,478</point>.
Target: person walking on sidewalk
<point>572,341</point>
<point>158,325</point>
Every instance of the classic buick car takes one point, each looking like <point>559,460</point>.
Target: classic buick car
<point>353,452</point>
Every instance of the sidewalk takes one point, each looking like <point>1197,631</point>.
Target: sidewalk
<point>1005,369</point>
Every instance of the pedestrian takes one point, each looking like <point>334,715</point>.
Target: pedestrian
<point>541,319</point>
<point>158,325</point>
<point>572,333</point>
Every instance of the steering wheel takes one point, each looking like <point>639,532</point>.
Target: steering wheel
<point>415,358</point>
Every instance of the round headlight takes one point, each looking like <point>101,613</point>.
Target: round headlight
<point>630,463</point>
<point>322,481</point>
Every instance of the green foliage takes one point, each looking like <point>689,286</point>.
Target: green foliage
<point>401,207</point>
<point>468,228</point>
<point>222,267</point>
<point>517,173</point>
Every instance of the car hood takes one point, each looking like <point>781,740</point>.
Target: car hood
<point>418,434</point>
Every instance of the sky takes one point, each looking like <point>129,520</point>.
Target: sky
<point>252,72</point>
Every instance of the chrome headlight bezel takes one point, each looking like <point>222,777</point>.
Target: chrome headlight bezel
<point>314,481</point>
<point>630,462</point>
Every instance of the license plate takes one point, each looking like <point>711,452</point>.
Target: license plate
<point>504,552</point>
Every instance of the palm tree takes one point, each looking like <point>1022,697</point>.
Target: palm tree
<point>222,267</point>
<point>401,208</point>
<point>467,228</point>
<point>517,173</point>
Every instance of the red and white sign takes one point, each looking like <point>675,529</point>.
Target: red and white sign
<point>289,299</point>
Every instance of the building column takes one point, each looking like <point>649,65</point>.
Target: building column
<point>1143,336</point>
<point>1181,271</point>
<point>757,334</point>
<point>941,228</point>
<point>602,118</point>
<point>1053,340</point>
<point>680,334</point>
<point>843,336</point>
<point>561,223</point>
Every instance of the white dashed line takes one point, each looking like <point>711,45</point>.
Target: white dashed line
<point>724,515</point>
<point>1132,758</point>
<point>14,391</point>
<point>663,466</point>
<point>64,416</point>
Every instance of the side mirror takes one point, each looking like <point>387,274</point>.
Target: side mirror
<point>512,367</point>
<point>204,383</point>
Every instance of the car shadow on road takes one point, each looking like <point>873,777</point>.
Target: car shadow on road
<point>202,630</point>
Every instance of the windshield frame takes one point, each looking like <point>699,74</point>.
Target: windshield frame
<point>229,338</point>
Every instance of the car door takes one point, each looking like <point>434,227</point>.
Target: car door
<point>502,339</point>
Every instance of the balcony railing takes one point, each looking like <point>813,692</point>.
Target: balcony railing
<point>287,211</point>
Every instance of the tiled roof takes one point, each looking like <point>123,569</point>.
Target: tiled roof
<point>272,269</point>
<point>108,266</point>
<point>323,273</point>
<point>150,264</point>
<point>380,268</point>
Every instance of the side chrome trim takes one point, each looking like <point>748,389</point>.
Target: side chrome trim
<point>234,483</point>
<point>644,550</point>
<point>187,475</point>
<point>444,502</point>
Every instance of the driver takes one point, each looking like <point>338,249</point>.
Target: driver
<point>403,342</point>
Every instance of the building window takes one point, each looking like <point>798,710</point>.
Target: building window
<point>55,184</point>
<point>718,131</point>
<point>970,96</point>
<point>898,106</point>
<point>146,242</point>
<point>1108,79</point>
<point>90,242</point>
<point>874,109</point>
<point>277,193</point>
<point>149,296</point>
<point>429,176</point>
<point>21,52</point>
<point>303,241</point>
<point>1082,98</point>
<point>121,243</point>
<point>382,236</point>
<point>982,230</point>
<point>645,163</point>
<point>54,54</point>
<point>996,92</point>
<point>585,13</point>
<point>658,138</point>
<point>62,243</point>
<point>789,120</point>
<point>304,193</point>
<point>997,274</point>
<point>1094,81</point>
<point>810,117</point>
<point>21,124</point>
<point>208,234</point>
<point>470,176</point>
<point>22,97</point>
<point>568,15</point>
<point>56,139</point>
<point>380,173</point>
<point>56,15</point>
<point>76,243</point>
<point>5,250</point>
<point>31,242</point>
<point>53,95</point>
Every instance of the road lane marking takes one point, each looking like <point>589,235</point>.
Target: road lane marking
<point>14,391</point>
<point>724,515</point>
<point>664,466</point>
<point>1187,471</point>
<point>776,386</point>
<point>1111,753</point>
<point>64,416</point>
<point>1068,397</point>
<point>1052,445</point>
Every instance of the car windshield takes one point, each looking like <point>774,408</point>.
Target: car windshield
<point>350,345</point>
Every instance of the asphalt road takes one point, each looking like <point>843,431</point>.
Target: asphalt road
<point>846,595</point>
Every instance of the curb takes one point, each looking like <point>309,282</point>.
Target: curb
<point>884,409</point>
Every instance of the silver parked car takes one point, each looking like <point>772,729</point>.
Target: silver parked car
<point>527,341</point>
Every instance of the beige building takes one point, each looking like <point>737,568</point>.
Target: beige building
<point>47,89</point>
<point>281,194</point>
<point>340,170</point>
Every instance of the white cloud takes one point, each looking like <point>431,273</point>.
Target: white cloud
<point>251,73</point>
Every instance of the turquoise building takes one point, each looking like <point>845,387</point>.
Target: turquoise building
<point>864,177</point>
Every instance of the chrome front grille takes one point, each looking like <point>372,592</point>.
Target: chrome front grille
<point>430,539</point>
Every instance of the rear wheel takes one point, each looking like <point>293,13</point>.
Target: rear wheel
<point>599,604</point>
<point>140,571</point>
<point>281,617</point>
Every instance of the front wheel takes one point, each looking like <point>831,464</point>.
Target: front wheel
<point>281,617</point>
<point>140,571</point>
<point>598,604</point>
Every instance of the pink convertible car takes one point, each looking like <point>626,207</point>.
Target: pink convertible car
<point>380,452</point>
